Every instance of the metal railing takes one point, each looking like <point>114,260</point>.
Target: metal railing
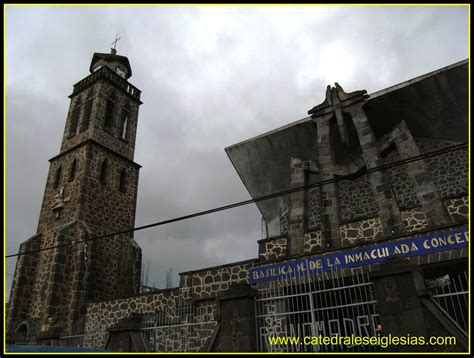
<point>324,305</point>
<point>451,294</point>
<point>107,73</point>
<point>176,329</point>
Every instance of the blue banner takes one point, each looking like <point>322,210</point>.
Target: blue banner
<point>376,253</point>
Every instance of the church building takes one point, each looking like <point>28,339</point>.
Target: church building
<point>364,230</point>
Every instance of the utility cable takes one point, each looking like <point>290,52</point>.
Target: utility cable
<point>261,198</point>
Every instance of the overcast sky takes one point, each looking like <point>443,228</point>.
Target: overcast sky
<point>210,77</point>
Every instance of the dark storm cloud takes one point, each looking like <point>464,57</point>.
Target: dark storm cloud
<point>211,77</point>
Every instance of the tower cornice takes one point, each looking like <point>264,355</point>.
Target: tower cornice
<point>111,77</point>
<point>94,142</point>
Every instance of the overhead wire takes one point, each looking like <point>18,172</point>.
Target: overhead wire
<point>259,199</point>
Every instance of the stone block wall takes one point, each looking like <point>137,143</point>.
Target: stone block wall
<point>458,208</point>
<point>356,199</point>
<point>360,232</point>
<point>208,283</point>
<point>402,185</point>
<point>71,194</point>
<point>22,295</point>
<point>115,267</point>
<point>110,137</point>
<point>104,206</point>
<point>272,248</point>
<point>314,209</point>
<point>449,170</point>
<point>414,219</point>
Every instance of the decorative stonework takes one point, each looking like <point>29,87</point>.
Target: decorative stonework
<point>356,199</point>
<point>314,208</point>
<point>361,231</point>
<point>414,219</point>
<point>448,170</point>
<point>312,241</point>
<point>401,183</point>
<point>273,249</point>
<point>458,208</point>
<point>208,283</point>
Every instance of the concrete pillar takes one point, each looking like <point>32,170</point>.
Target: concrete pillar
<point>389,212</point>
<point>331,236</point>
<point>125,336</point>
<point>426,192</point>
<point>405,308</point>
<point>237,320</point>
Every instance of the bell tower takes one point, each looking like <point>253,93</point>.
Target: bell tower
<point>91,190</point>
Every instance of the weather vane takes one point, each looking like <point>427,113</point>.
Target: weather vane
<point>115,42</point>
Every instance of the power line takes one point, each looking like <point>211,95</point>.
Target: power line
<point>261,198</point>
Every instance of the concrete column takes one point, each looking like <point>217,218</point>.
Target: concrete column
<point>389,212</point>
<point>330,222</point>
<point>125,336</point>
<point>237,320</point>
<point>427,193</point>
<point>406,309</point>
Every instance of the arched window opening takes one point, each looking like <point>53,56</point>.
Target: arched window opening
<point>72,170</point>
<point>75,118</point>
<point>124,124</point>
<point>57,177</point>
<point>123,181</point>
<point>22,333</point>
<point>104,172</point>
<point>109,112</point>
<point>86,117</point>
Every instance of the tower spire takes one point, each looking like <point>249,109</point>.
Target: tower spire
<point>113,51</point>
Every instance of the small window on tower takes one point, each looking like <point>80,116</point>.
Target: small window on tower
<point>104,172</point>
<point>74,119</point>
<point>123,181</point>
<point>57,177</point>
<point>72,170</point>
<point>124,123</point>
<point>87,112</point>
<point>120,72</point>
<point>109,112</point>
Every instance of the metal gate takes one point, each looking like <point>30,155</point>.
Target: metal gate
<point>177,329</point>
<point>336,303</point>
<point>450,293</point>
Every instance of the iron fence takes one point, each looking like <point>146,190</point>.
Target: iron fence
<point>177,329</point>
<point>320,305</point>
<point>450,292</point>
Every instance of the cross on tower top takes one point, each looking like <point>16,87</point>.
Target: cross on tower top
<point>115,44</point>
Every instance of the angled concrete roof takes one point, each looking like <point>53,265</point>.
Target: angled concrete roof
<point>434,105</point>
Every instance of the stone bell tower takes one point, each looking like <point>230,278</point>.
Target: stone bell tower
<point>91,191</point>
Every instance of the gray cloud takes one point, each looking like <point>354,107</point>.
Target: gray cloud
<point>211,77</point>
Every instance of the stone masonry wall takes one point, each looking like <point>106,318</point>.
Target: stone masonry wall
<point>199,288</point>
<point>110,137</point>
<point>314,209</point>
<point>401,183</point>
<point>449,170</point>
<point>458,208</point>
<point>207,283</point>
<point>104,206</point>
<point>356,199</point>
<point>72,189</point>
<point>273,248</point>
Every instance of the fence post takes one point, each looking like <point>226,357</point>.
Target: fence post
<point>125,336</point>
<point>237,320</point>
<point>401,294</point>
